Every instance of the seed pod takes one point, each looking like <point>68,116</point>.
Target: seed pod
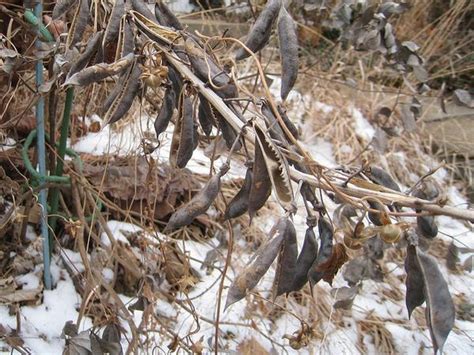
<point>325,251</point>
<point>166,111</point>
<point>288,52</point>
<point>261,185</point>
<point>79,23</point>
<point>61,7</point>
<point>426,226</point>
<point>258,265</point>
<point>176,81</point>
<point>272,123</point>
<point>86,57</point>
<point>199,204</point>
<point>415,295</point>
<point>277,168</point>
<point>99,72</point>
<point>124,99</point>
<point>166,17</point>
<point>207,70</point>
<point>379,219</point>
<point>261,30</point>
<point>240,202</point>
<point>142,8</point>
<point>227,131</point>
<point>205,115</point>
<point>113,24</point>
<point>286,264</point>
<point>126,40</point>
<point>290,125</point>
<point>195,136</point>
<point>381,177</point>
<point>307,256</point>
<point>183,136</point>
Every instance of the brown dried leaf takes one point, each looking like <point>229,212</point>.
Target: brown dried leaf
<point>259,264</point>
<point>331,266</point>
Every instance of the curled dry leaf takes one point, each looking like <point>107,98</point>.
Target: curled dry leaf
<point>259,264</point>
<point>344,296</point>
<point>166,17</point>
<point>331,266</point>
<point>129,87</point>
<point>325,251</point>
<point>288,52</point>
<point>182,143</point>
<point>166,111</point>
<point>261,187</point>
<point>240,202</point>
<point>286,265</point>
<point>307,256</point>
<point>261,30</point>
<point>100,71</point>
<point>440,311</point>
<point>199,204</point>
<point>113,24</point>
<point>61,7</point>
<point>277,168</point>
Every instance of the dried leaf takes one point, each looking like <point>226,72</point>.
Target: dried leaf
<point>128,90</point>
<point>199,204</point>
<point>308,255</point>
<point>240,202</point>
<point>452,257</point>
<point>183,136</point>
<point>440,311</point>
<point>331,266</point>
<point>178,270</point>
<point>260,32</point>
<point>79,344</point>
<point>288,52</point>
<point>325,251</point>
<point>277,168</point>
<point>259,265</point>
<point>344,296</point>
<point>261,185</point>
<point>286,264</point>
<point>463,97</point>
<point>166,111</point>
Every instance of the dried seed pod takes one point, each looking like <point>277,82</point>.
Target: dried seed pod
<point>288,52</point>
<point>307,256</point>
<point>61,7</point>
<point>390,233</point>
<point>383,178</point>
<point>79,23</point>
<point>260,32</point>
<point>426,226</point>
<point>182,142</point>
<point>379,219</point>
<point>277,168</point>
<point>261,185</point>
<point>142,8</point>
<point>99,72</point>
<point>258,265</point>
<point>227,131</point>
<point>286,264</point>
<point>208,71</point>
<point>87,56</point>
<point>126,40</point>
<point>166,17</point>
<point>176,81</point>
<point>124,99</point>
<point>290,125</point>
<point>199,204</point>
<point>240,202</point>
<point>205,116</point>
<point>429,190</point>
<point>415,295</point>
<point>272,123</point>
<point>113,24</point>
<point>195,136</point>
<point>440,311</point>
<point>166,111</point>
<point>325,251</point>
